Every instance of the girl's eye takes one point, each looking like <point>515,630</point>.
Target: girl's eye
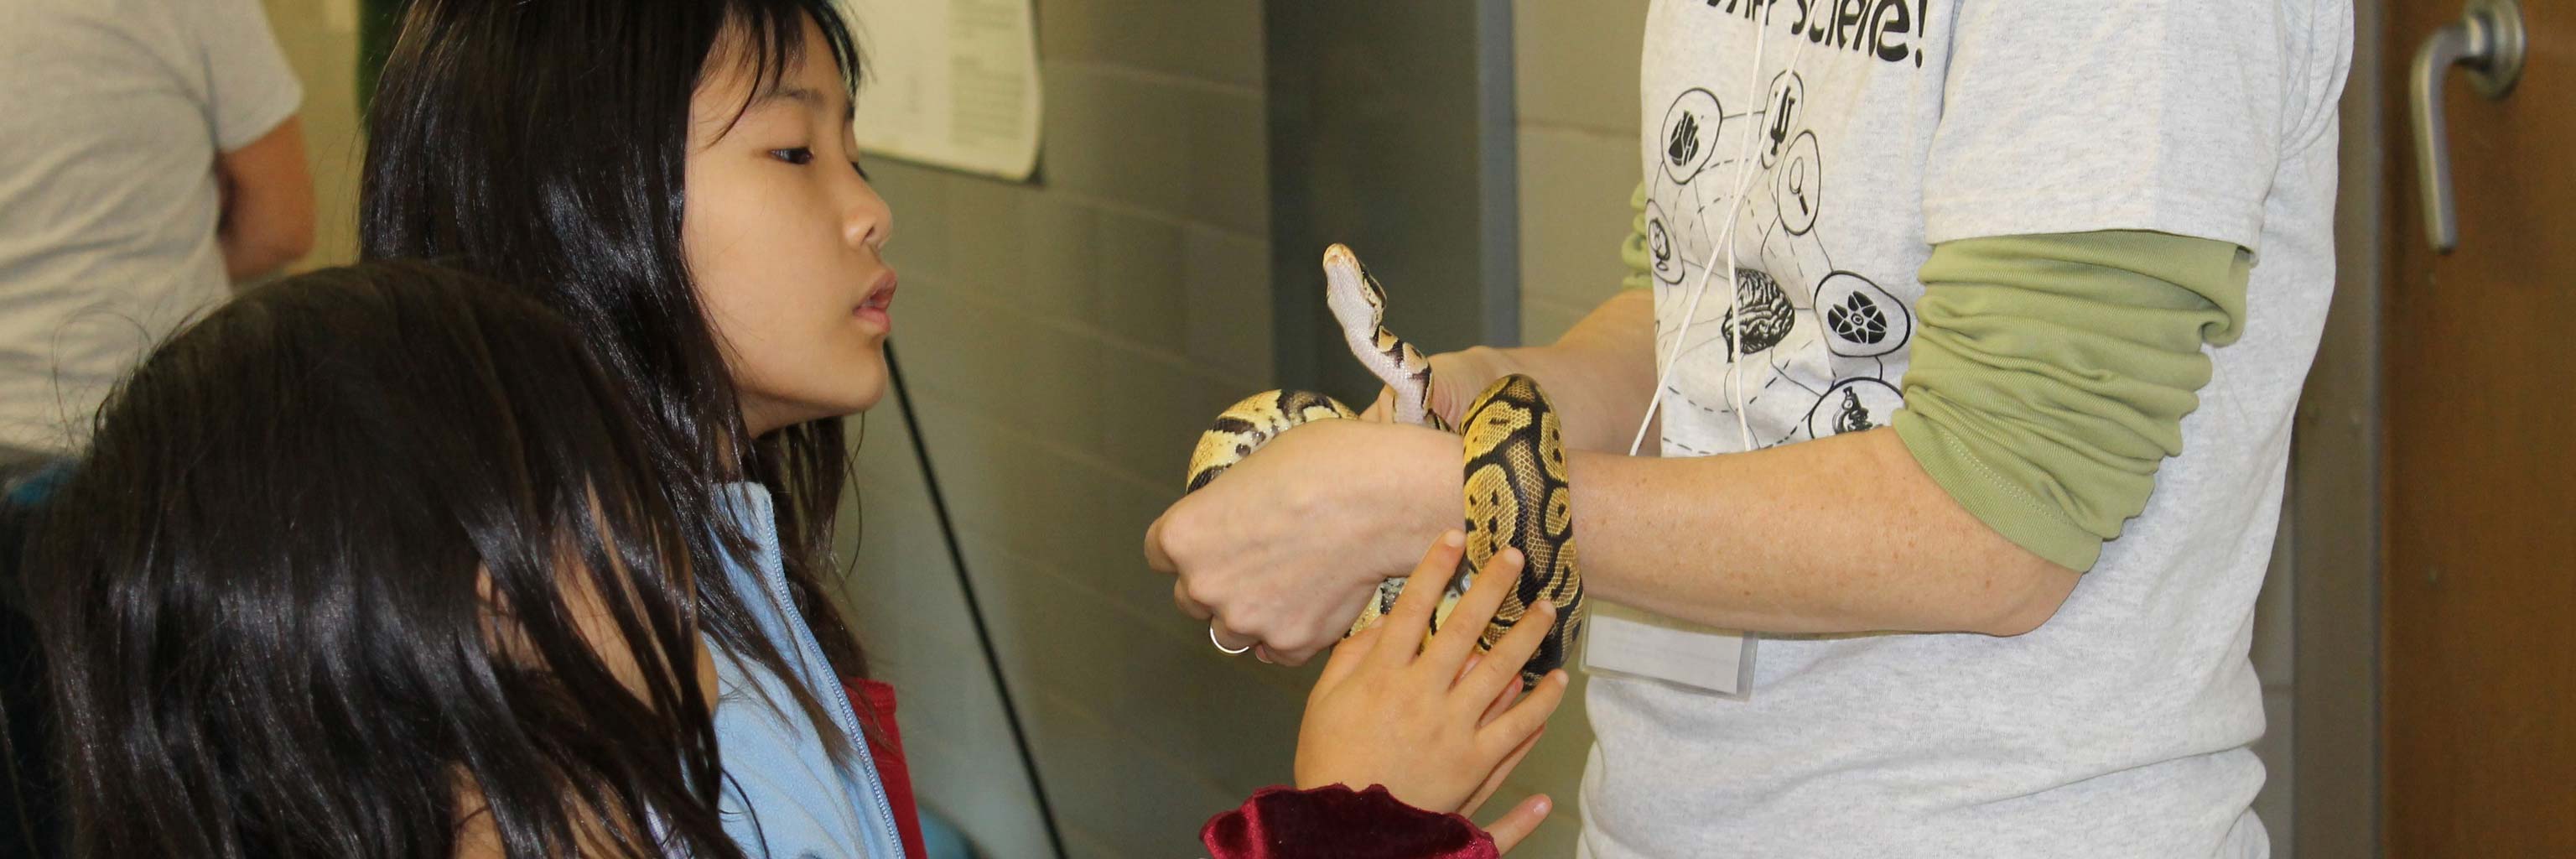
<point>799,156</point>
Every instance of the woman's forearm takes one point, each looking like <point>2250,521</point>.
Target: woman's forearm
<point>1843,534</point>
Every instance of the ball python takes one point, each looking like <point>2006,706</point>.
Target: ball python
<point>1516,493</point>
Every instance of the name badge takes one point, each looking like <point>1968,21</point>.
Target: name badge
<point>1619,640</point>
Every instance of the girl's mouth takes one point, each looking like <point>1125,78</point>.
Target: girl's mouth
<point>875,308</point>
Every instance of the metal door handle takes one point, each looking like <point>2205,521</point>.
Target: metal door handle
<point>2489,39</point>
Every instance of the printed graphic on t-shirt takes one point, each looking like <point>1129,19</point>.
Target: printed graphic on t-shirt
<point>1809,346</point>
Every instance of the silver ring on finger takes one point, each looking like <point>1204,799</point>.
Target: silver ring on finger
<point>1220,645</point>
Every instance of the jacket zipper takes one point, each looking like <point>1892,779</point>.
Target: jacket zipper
<point>811,650</point>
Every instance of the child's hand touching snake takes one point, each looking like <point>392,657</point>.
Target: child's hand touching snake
<point>1437,724</point>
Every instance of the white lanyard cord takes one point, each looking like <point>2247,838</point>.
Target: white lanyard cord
<point>1726,246</point>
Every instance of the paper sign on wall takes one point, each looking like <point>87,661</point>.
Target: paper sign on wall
<point>950,83</point>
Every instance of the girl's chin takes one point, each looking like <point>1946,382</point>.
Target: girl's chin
<point>863,404</point>
<point>863,395</point>
<point>818,404</point>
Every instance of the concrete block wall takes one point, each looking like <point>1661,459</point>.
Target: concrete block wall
<point>320,40</point>
<point>1575,83</point>
<point>1065,343</point>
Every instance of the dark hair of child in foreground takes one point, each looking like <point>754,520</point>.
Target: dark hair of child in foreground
<point>359,565</point>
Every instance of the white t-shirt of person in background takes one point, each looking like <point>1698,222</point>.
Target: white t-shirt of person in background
<point>112,115</point>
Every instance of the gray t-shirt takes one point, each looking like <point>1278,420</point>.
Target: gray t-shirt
<point>112,113</point>
<point>1878,128</point>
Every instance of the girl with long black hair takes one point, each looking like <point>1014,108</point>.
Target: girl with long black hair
<point>679,181</point>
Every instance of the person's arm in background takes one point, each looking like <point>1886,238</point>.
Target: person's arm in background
<point>268,203</point>
<point>251,98</point>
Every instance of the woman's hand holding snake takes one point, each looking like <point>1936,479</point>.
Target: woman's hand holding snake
<point>1358,483</point>
<point>1437,724</point>
<point>1285,551</point>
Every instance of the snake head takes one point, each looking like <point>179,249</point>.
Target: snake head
<point>1353,294</point>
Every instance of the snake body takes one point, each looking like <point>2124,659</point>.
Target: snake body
<point>1516,491</point>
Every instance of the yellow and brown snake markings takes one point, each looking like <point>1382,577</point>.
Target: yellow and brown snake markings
<point>1514,459</point>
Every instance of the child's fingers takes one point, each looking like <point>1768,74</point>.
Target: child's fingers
<point>1502,664</point>
<point>1519,822</point>
<point>1347,657</point>
<point>1526,717</point>
<point>1411,616</point>
<point>1466,623</point>
<point>1494,780</point>
<point>1503,701</point>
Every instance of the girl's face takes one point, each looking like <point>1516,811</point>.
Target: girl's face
<point>786,240</point>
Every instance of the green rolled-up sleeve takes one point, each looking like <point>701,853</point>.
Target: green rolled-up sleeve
<point>1640,262</point>
<point>2052,373</point>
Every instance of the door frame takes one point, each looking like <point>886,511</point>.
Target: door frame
<point>2336,489</point>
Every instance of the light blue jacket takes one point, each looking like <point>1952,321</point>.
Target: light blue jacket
<point>783,795</point>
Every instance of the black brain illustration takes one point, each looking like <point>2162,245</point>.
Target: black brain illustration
<point>1858,320</point>
<point>1766,314</point>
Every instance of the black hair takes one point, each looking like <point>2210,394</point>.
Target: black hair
<point>348,562</point>
<point>545,145</point>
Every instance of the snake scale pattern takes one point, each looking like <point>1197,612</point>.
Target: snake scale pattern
<point>1516,490</point>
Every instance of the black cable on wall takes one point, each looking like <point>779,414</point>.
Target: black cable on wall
<point>974,608</point>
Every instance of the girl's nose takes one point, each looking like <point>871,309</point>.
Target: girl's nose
<point>868,222</point>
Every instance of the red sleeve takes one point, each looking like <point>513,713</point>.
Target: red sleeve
<point>877,701</point>
<point>1337,823</point>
